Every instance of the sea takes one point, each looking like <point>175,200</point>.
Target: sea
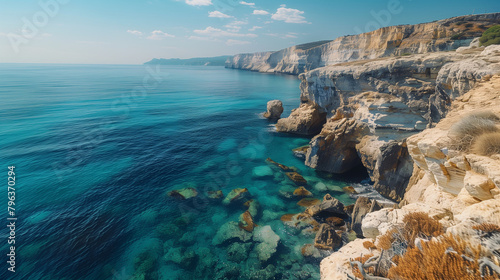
<point>94,151</point>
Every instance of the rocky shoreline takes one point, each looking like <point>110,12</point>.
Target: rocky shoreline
<point>395,111</point>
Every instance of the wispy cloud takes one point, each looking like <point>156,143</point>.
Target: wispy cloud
<point>235,26</point>
<point>215,32</point>
<point>232,42</point>
<point>260,12</point>
<point>135,32</point>
<point>289,15</point>
<point>289,35</point>
<point>217,14</point>
<point>254,28</point>
<point>246,3</point>
<point>199,2</point>
<point>159,35</point>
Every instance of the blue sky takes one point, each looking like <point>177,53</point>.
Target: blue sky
<point>135,31</point>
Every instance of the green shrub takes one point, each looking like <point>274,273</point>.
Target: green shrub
<point>490,36</point>
<point>487,144</point>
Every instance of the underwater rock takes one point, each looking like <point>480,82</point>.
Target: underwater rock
<point>168,231</point>
<point>215,195</point>
<point>296,178</point>
<point>329,207</point>
<point>252,207</point>
<point>281,166</point>
<point>183,194</point>
<point>307,202</point>
<point>238,252</point>
<point>327,238</point>
<point>274,109</point>
<point>268,242</point>
<point>262,172</point>
<point>267,273</point>
<point>235,195</point>
<point>300,221</point>
<point>301,191</point>
<point>286,191</point>
<point>185,258</point>
<point>309,251</point>
<point>230,231</point>
<point>287,217</point>
<point>246,222</point>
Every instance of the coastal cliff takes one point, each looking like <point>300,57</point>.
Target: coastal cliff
<point>454,184</point>
<point>442,35</point>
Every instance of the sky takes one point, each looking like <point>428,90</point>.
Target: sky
<point>135,31</point>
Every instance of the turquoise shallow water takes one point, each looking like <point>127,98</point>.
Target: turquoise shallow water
<point>96,149</point>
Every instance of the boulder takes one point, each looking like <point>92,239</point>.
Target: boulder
<point>334,149</point>
<point>238,252</point>
<point>363,206</point>
<point>253,207</point>
<point>268,242</point>
<point>305,120</point>
<point>329,207</point>
<point>183,194</point>
<point>296,178</point>
<point>274,109</point>
<point>230,232</point>
<point>479,186</point>
<point>281,166</point>
<point>327,238</point>
<point>307,202</point>
<point>301,192</point>
<point>246,222</point>
<point>215,195</point>
<point>236,195</point>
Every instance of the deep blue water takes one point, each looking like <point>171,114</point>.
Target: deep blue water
<point>96,149</point>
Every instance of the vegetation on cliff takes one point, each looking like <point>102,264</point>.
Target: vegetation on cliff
<point>491,36</point>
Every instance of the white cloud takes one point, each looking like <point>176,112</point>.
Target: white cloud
<point>199,2</point>
<point>260,12</point>
<point>135,32</point>
<point>232,42</point>
<point>290,36</point>
<point>235,26</point>
<point>289,15</point>
<point>217,14</point>
<point>254,28</point>
<point>159,35</point>
<point>215,32</point>
<point>246,3</point>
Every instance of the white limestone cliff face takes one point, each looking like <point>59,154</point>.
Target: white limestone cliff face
<point>384,42</point>
<point>458,188</point>
<point>395,97</point>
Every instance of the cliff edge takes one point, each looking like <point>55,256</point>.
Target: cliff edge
<point>442,35</point>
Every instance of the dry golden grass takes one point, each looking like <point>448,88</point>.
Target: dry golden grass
<point>487,144</point>
<point>385,241</point>
<point>419,224</point>
<point>488,228</point>
<point>369,245</point>
<point>433,263</point>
